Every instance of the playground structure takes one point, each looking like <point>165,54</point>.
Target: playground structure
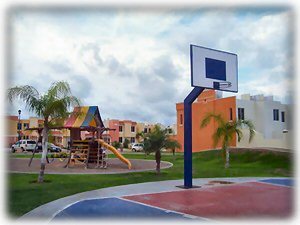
<point>87,152</point>
<point>87,118</point>
<point>91,152</point>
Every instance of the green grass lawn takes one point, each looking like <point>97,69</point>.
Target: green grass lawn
<point>25,195</point>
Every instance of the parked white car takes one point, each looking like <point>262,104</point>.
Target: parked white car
<point>137,147</point>
<point>23,145</point>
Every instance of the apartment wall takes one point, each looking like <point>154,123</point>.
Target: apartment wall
<point>269,132</point>
<point>12,125</point>
<point>286,141</point>
<point>206,102</point>
<point>126,131</point>
<point>11,131</point>
<point>114,134</point>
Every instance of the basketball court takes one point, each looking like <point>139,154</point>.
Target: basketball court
<point>215,199</point>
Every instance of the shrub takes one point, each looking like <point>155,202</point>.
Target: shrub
<point>126,143</point>
<point>116,144</point>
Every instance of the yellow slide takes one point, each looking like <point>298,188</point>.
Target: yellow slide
<point>115,151</point>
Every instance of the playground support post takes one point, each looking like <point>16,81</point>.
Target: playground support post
<point>188,167</point>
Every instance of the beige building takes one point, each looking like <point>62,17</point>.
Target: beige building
<point>144,128</point>
<point>127,130</point>
<point>58,137</point>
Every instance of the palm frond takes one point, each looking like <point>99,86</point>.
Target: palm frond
<point>239,134</point>
<point>51,106</point>
<point>25,93</point>
<point>172,144</point>
<point>217,136</point>
<point>59,89</point>
<point>140,134</point>
<point>28,94</point>
<point>207,118</point>
<point>251,128</point>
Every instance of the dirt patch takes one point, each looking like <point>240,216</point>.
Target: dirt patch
<point>57,166</point>
<point>213,182</point>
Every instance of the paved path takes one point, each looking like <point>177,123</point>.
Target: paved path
<point>217,198</point>
<point>20,165</point>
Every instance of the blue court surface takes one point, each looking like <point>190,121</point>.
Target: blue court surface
<point>113,208</point>
<point>279,181</point>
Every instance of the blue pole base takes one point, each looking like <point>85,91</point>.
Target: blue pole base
<point>185,187</point>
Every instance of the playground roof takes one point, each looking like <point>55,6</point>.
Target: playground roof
<point>84,117</point>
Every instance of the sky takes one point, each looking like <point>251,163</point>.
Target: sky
<point>135,63</point>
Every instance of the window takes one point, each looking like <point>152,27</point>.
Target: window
<point>132,128</point>
<point>149,130</point>
<point>276,114</point>
<point>120,128</point>
<point>181,119</point>
<point>230,113</point>
<point>19,126</point>
<point>145,130</point>
<point>282,116</point>
<point>241,113</point>
<point>26,125</point>
<point>120,139</point>
<point>132,139</point>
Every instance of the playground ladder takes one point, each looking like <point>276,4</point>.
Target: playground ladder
<point>79,152</point>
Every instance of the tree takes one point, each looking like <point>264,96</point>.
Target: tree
<point>139,136</point>
<point>126,143</point>
<point>116,144</point>
<point>52,107</point>
<point>226,131</point>
<point>155,141</point>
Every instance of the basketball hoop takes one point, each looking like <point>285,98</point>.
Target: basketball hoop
<point>219,85</point>
<point>213,69</point>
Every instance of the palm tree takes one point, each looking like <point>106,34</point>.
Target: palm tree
<point>139,136</point>
<point>226,131</point>
<point>52,107</point>
<point>155,141</point>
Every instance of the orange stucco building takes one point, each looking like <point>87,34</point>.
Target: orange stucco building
<point>206,102</point>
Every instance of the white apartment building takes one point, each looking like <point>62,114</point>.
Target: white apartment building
<point>272,121</point>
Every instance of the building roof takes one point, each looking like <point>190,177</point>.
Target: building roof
<point>12,117</point>
<point>84,117</point>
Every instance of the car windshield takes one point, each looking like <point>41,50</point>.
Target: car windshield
<point>31,142</point>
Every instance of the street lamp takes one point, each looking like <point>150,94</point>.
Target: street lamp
<point>19,125</point>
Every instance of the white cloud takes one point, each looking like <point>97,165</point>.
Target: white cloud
<point>135,64</point>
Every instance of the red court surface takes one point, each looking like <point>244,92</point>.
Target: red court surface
<point>243,200</point>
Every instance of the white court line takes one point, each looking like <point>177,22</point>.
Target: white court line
<point>166,210</point>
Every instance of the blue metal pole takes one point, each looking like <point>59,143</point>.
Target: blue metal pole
<point>188,167</point>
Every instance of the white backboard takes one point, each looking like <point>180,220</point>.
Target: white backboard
<point>214,69</point>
